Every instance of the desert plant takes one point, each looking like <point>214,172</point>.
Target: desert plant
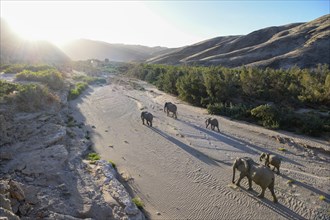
<point>290,181</point>
<point>322,197</point>
<point>112,163</point>
<point>75,92</point>
<point>281,149</point>
<point>268,114</point>
<point>137,201</point>
<point>51,77</point>
<point>93,156</point>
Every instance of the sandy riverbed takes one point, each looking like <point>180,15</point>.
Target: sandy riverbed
<point>181,170</point>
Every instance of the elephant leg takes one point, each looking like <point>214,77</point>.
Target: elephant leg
<point>271,189</point>
<point>250,184</point>
<point>142,121</point>
<point>239,179</point>
<point>150,123</point>
<point>278,170</point>
<point>218,129</point>
<point>262,194</point>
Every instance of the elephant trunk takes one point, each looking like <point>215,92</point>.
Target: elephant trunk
<point>234,168</point>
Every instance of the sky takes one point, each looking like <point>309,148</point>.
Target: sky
<point>152,23</point>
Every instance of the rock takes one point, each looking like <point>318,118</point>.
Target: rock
<point>3,130</point>
<point>24,209</point>
<point>58,136</point>
<point>131,209</point>
<point>4,187</point>
<point>8,215</point>
<point>16,191</point>
<point>5,155</point>
<point>158,213</point>
<point>5,202</point>
<point>29,179</point>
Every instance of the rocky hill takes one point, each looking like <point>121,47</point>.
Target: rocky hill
<point>301,44</point>
<point>15,49</point>
<point>84,49</point>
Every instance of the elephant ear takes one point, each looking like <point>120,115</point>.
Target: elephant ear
<point>237,162</point>
<point>246,164</point>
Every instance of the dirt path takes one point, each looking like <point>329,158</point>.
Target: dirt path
<point>183,171</point>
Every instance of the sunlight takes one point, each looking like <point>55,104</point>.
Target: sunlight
<point>113,22</point>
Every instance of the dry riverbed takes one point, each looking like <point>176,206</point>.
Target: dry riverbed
<point>181,170</point>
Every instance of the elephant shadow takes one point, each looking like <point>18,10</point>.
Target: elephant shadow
<point>238,143</point>
<point>279,208</point>
<point>196,153</point>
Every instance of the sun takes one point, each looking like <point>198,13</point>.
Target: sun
<point>35,21</point>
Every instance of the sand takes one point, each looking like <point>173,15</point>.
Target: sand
<point>181,170</point>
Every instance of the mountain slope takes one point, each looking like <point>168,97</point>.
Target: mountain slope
<point>15,49</point>
<point>84,49</point>
<point>301,44</point>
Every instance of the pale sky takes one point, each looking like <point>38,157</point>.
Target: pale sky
<point>152,23</point>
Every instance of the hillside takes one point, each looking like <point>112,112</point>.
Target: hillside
<point>84,49</point>
<point>15,49</point>
<point>301,44</point>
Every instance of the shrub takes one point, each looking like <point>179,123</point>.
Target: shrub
<point>322,197</point>
<point>268,114</point>
<point>33,97</point>
<point>29,97</point>
<point>311,124</point>
<point>235,111</point>
<point>290,181</point>
<point>93,156</point>
<point>89,79</point>
<point>7,87</point>
<point>137,201</point>
<point>281,149</point>
<point>51,77</point>
<point>79,88</point>
<point>112,163</point>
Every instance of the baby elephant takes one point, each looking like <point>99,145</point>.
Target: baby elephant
<point>273,160</point>
<point>214,123</point>
<point>148,117</point>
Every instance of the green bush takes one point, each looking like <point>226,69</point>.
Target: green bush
<point>89,79</point>
<point>112,163</point>
<point>93,156</point>
<point>51,77</point>
<point>268,115</point>
<point>16,68</point>
<point>311,124</point>
<point>137,201</point>
<point>238,111</point>
<point>7,87</point>
<point>33,97</point>
<point>79,88</point>
<point>29,97</point>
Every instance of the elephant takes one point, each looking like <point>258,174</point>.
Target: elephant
<point>273,160</point>
<point>148,117</point>
<point>170,107</point>
<point>260,174</point>
<point>214,123</point>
